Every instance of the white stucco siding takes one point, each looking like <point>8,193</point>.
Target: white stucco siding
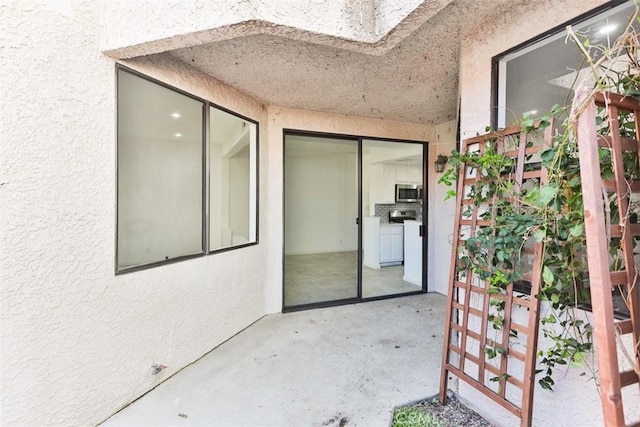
<point>495,35</point>
<point>360,25</point>
<point>441,212</point>
<point>575,400</point>
<point>77,340</point>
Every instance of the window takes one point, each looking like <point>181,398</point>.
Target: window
<point>232,189</point>
<point>174,200</point>
<point>540,73</point>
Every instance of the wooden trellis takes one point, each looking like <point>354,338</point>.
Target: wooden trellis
<point>467,324</point>
<point>612,225</point>
<point>623,189</point>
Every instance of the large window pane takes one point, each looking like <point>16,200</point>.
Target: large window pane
<point>534,78</point>
<point>160,146</point>
<point>320,212</point>
<point>232,178</point>
<point>391,240</point>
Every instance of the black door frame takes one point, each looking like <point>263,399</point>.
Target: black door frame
<point>425,215</point>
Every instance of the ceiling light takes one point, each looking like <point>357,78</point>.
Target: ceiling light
<point>607,29</point>
<point>530,112</point>
<point>177,135</point>
<point>175,115</point>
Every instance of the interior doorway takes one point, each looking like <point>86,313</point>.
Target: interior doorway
<point>353,212</point>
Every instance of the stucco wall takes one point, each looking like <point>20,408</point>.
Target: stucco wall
<point>441,212</point>
<point>78,341</point>
<point>495,35</point>
<point>344,23</point>
<point>575,400</point>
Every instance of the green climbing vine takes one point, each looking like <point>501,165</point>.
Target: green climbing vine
<point>551,213</point>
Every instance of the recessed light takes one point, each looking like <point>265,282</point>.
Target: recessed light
<point>177,135</point>
<point>607,29</point>
<point>531,112</point>
<point>175,115</point>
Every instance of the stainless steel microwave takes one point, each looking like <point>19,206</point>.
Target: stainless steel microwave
<point>408,193</point>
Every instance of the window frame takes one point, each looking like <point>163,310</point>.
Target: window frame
<point>494,106</point>
<point>205,178</point>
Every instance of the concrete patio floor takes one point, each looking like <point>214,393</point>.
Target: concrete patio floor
<point>347,366</point>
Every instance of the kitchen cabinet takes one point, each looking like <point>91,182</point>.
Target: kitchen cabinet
<point>383,180</point>
<point>385,176</point>
<point>391,244</point>
<point>382,243</point>
<point>410,174</point>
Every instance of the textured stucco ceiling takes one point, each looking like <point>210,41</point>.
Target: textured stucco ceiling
<point>415,81</point>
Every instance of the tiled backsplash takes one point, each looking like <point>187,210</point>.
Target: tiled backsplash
<point>383,210</point>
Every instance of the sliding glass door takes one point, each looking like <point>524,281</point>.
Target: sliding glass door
<point>353,212</point>
<point>392,212</point>
<point>321,211</point>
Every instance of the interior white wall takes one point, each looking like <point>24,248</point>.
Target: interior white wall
<point>575,400</point>
<point>232,172</point>
<point>77,340</point>
<point>218,217</point>
<point>281,118</point>
<point>239,194</point>
<point>321,203</point>
<point>156,190</point>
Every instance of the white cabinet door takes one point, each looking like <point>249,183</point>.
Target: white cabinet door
<point>397,245</point>
<point>382,185</point>
<point>385,244</point>
<point>385,248</point>
<point>409,174</point>
<point>402,174</point>
<point>390,177</point>
<point>415,174</point>
<point>391,244</point>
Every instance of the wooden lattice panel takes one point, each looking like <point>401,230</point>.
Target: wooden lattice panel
<point>612,225</point>
<point>471,337</point>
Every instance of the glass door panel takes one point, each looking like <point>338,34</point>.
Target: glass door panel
<point>391,241</point>
<point>320,217</point>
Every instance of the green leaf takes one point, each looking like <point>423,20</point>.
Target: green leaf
<point>490,352</point>
<point>548,155</point>
<point>547,275</point>
<point>578,359</point>
<point>545,385</point>
<point>547,193</point>
<point>539,235</point>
